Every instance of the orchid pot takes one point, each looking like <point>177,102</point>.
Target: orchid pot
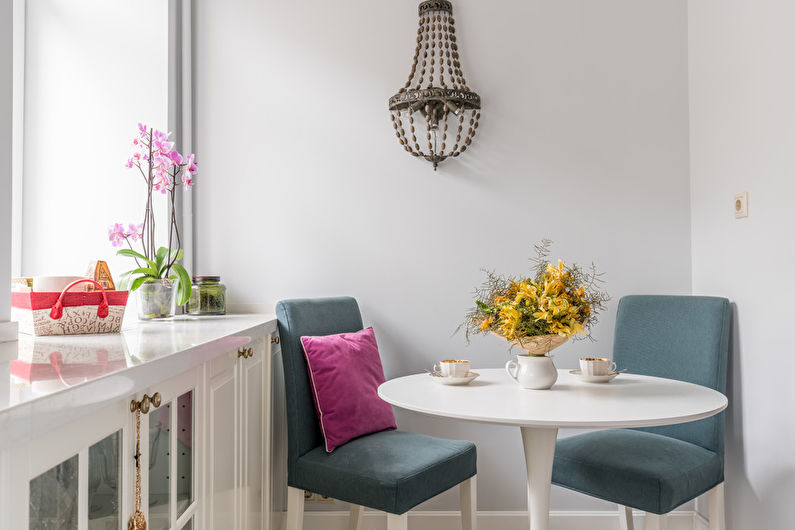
<point>157,299</point>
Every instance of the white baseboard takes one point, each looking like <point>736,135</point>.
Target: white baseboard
<point>8,331</point>
<point>559,520</point>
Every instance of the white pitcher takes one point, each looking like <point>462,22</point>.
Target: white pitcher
<point>533,372</point>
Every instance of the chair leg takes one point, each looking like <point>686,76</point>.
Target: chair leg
<point>295,509</point>
<point>356,517</point>
<point>656,522</point>
<point>397,522</point>
<point>469,504</point>
<point>717,508</point>
<point>625,518</point>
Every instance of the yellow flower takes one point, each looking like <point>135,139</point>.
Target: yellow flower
<point>527,293</point>
<point>486,324</point>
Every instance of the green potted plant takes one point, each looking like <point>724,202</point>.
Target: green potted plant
<point>159,281</point>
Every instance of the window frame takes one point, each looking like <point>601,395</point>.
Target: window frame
<point>180,118</point>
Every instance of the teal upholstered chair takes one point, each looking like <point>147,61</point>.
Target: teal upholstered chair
<point>657,469</point>
<point>391,471</point>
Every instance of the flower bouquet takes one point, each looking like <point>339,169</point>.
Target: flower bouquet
<point>160,281</point>
<point>541,311</point>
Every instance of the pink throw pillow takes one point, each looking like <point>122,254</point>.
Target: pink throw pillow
<point>345,372</point>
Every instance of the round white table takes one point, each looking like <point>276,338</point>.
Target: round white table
<point>628,401</point>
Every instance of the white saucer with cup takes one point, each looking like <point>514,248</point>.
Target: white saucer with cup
<point>596,370</point>
<point>453,372</point>
<point>452,368</point>
<point>597,366</point>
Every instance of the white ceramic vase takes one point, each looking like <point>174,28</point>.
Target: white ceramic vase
<point>536,372</point>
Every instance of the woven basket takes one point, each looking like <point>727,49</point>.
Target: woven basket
<point>540,345</point>
<point>69,313</point>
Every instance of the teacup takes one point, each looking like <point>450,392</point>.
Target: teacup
<point>597,366</point>
<point>452,368</point>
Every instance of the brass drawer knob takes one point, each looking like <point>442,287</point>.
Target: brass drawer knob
<point>245,353</point>
<point>275,340</point>
<point>146,403</point>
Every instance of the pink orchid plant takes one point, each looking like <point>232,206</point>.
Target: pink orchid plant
<point>163,170</point>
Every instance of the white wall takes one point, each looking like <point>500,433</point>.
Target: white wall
<point>304,190</point>
<point>6,61</point>
<point>742,136</point>
<point>93,70</point>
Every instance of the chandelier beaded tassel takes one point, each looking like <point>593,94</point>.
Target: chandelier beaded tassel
<point>435,115</point>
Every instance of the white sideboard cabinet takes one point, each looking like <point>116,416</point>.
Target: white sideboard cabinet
<point>68,428</point>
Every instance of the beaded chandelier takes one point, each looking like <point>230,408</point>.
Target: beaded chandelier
<point>436,93</point>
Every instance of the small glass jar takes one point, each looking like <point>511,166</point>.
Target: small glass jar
<point>207,297</point>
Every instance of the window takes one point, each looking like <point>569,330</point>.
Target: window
<point>87,72</point>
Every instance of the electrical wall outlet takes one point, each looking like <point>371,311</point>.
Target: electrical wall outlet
<point>317,498</point>
<point>741,205</point>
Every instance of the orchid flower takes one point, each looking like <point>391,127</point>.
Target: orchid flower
<point>135,231</point>
<point>116,235</point>
<point>192,168</point>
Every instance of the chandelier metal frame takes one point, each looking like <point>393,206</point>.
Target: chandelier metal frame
<point>441,102</point>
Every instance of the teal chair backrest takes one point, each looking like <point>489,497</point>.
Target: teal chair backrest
<point>298,318</point>
<point>677,337</point>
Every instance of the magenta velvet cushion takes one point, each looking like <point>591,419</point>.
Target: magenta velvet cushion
<point>345,372</point>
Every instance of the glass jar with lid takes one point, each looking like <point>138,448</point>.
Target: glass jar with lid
<point>208,296</point>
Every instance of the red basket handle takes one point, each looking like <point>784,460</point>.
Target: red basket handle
<point>102,311</point>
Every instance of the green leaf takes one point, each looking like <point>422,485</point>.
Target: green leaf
<point>160,258</point>
<point>130,253</point>
<point>173,257</point>
<point>147,271</point>
<point>184,287</point>
<point>133,254</point>
<point>139,281</point>
<point>483,307</point>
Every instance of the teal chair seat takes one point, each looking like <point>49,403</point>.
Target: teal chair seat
<point>656,469</point>
<point>391,471</point>
<point>647,471</point>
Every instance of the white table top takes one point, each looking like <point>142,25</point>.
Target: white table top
<point>97,369</point>
<point>628,401</point>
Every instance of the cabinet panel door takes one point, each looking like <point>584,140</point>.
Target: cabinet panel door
<point>223,442</point>
<point>278,441</point>
<point>254,461</point>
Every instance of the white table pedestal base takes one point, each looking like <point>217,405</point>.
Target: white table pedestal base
<point>539,453</point>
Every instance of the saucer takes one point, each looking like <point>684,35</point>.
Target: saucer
<point>594,378</point>
<point>454,381</point>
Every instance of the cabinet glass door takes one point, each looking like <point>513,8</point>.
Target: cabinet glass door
<point>184,452</point>
<point>171,480</point>
<point>54,499</point>
<point>159,467</point>
<point>104,479</point>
